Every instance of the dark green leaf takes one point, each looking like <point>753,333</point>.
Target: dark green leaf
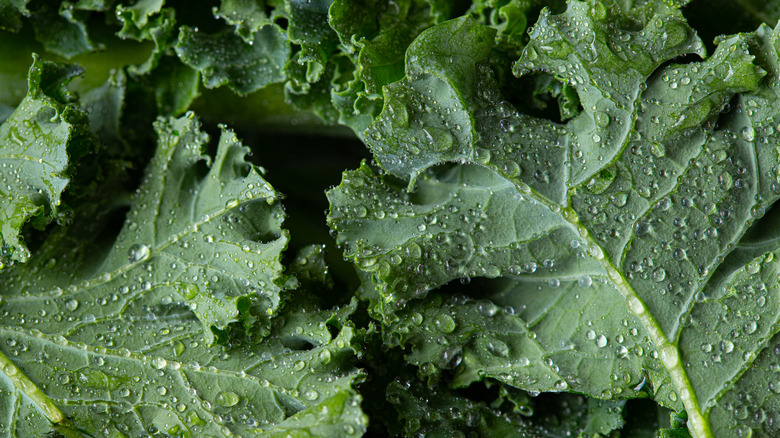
<point>225,59</point>
<point>62,31</point>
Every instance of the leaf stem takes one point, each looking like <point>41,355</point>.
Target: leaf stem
<point>669,354</point>
<point>31,390</point>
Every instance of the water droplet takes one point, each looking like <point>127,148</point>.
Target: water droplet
<point>444,323</point>
<point>601,118</point>
<point>659,274</point>
<point>138,252</point>
<point>159,363</point>
<point>601,341</point>
<point>71,304</point>
<point>658,150</point>
<point>675,34</point>
<point>497,348</point>
<point>748,133</point>
<point>228,398</point>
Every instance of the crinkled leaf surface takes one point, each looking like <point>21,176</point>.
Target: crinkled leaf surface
<point>542,346</point>
<point>444,413</point>
<point>247,16</point>
<point>650,184</point>
<point>146,368</point>
<point>119,342</point>
<point>374,36</point>
<point>225,58</point>
<point>62,30</point>
<point>380,32</point>
<point>207,232</point>
<point>35,141</point>
<point>148,20</point>
<point>308,27</point>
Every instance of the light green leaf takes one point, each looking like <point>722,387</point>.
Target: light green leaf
<point>145,369</point>
<point>36,140</point>
<point>138,18</point>
<point>654,184</point>
<point>114,348</point>
<point>206,233</point>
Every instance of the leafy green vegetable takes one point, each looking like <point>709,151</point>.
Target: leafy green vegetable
<point>561,219</point>
<point>37,139</point>
<point>226,59</point>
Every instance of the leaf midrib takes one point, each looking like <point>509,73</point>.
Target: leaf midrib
<point>700,427</point>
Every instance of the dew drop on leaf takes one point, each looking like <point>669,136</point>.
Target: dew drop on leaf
<point>228,398</point>
<point>159,363</point>
<point>138,252</point>
<point>659,274</point>
<point>71,304</point>
<point>497,348</point>
<point>444,323</point>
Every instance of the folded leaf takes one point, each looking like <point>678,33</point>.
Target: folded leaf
<point>552,324</point>
<point>206,232</point>
<point>35,142</point>
<point>247,16</point>
<point>119,340</point>
<point>62,30</point>
<point>650,180</point>
<point>226,59</point>
<point>147,369</point>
